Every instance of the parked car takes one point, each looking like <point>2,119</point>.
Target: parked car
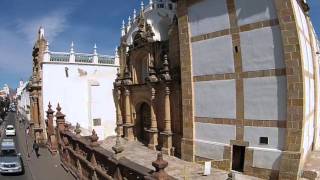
<point>10,130</point>
<point>10,160</point>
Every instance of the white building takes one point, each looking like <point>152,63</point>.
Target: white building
<point>5,91</point>
<point>23,100</point>
<point>82,84</point>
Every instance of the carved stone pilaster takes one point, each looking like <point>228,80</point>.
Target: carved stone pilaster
<point>128,126</point>
<point>153,130</point>
<point>167,133</point>
<point>119,113</point>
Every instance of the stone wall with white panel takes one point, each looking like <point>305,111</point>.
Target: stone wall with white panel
<point>268,159</point>
<point>265,98</point>
<point>276,137</point>
<point>210,139</point>
<point>215,99</point>
<point>215,132</point>
<point>208,16</point>
<point>212,56</point>
<point>209,150</point>
<point>262,49</point>
<point>251,11</point>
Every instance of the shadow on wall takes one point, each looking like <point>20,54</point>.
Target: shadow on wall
<point>276,164</point>
<point>254,7</point>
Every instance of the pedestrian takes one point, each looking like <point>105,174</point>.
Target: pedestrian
<point>35,147</point>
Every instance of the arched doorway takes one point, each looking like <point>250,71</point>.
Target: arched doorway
<point>143,123</point>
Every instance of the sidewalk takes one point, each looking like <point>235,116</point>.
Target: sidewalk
<point>46,166</point>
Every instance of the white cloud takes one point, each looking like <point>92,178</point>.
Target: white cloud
<point>53,22</point>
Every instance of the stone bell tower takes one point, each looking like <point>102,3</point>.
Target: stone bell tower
<point>37,123</point>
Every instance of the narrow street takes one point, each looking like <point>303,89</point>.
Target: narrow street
<point>45,167</point>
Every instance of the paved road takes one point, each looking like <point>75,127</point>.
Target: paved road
<point>46,167</point>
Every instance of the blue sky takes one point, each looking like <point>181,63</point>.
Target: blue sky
<point>83,21</point>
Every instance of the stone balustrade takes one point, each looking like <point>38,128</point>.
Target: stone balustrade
<point>85,159</point>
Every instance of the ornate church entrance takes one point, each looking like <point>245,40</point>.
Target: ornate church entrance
<point>143,123</point>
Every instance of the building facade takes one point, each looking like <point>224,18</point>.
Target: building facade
<point>252,87</point>
<point>82,84</point>
<point>147,89</point>
<point>37,123</point>
<point>23,100</point>
<point>245,93</point>
<point>4,93</point>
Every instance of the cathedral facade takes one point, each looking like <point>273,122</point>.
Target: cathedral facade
<point>234,82</point>
<point>147,90</point>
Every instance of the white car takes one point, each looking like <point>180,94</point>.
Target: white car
<point>10,130</point>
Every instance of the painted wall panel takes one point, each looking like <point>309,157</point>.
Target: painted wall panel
<point>262,49</point>
<point>212,56</point>
<point>276,136</point>
<point>72,91</point>
<point>251,11</point>
<point>209,150</point>
<point>215,132</point>
<point>263,158</point>
<point>216,99</point>
<point>208,16</point>
<point>265,98</point>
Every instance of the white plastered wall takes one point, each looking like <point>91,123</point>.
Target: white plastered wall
<point>262,49</point>
<point>251,11</point>
<point>212,56</point>
<point>309,88</point>
<point>210,139</point>
<point>208,16</point>
<point>73,94</point>
<point>215,99</point>
<point>265,98</point>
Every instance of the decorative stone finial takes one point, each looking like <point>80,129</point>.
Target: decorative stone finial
<point>95,49</point>
<point>142,6</point>
<point>77,130</point>
<point>129,21</point>
<point>50,111</point>
<point>94,139</point>
<point>165,71</point>
<point>58,107</point>
<point>160,165</point>
<point>117,148</point>
<point>41,33</point>
<point>71,48</point>
<point>59,114</point>
<point>47,47</point>
<point>123,28</point>
<point>134,14</point>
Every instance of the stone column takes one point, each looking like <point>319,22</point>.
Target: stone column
<point>153,130</point>
<point>36,112</point>
<point>50,120</point>
<point>60,119</point>
<point>52,139</point>
<point>167,133</point>
<point>128,126</point>
<point>119,113</point>
<point>37,131</point>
